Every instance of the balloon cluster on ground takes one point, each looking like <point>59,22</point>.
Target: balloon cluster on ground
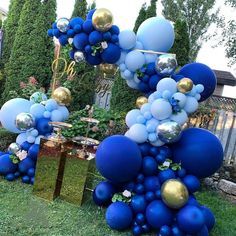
<point>30,119</point>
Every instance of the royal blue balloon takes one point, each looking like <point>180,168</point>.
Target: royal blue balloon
<point>158,214</point>
<point>118,159</point>
<point>50,32</point>
<point>190,219</point>
<point>138,203</point>
<point>181,173</point>
<point>106,36</point>
<point>153,80</point>
<point>160,158</point>
<point>203,231</point>
<point>143,87</point>
<point>2,153</point>
<point>165,175</point>
<point>165,231</point>
<point>43,126</point>
<point>88,26</point>
<point>137,230</point>
<point>56,33</point>
<point>25,165</point>
<point>150,196</point>
<point>111,54</point>
<point>76,21</point>
<point>139,189</point>
<point>114,38</point>
<point>209,217</point>
<point>25,146</point>
<point>151,69</point>
<point>199,152</point>
<point>144,148</point>
<point>140,178</point>
<point>192,183</point>
<point>95,37</point>
<point>192,201</point>
<point>10,177</point>
<point>149,166</point>
<point>26,179</point>
<point>90,14</point>
<point>33,152</point>
<point>103,193</point>
<point>177,232</point>
<point>70,33</point>
<point>119,216</point>
<point>115,29</point>
<point>200,74</point>
<point>93,60</point>
<point>154,151</point>
<point>151,183</point>
<point>140,218</point>
<point>63,39</point>
<point>32,180</point>
<point>80,41</point>
<point>6,165</point>
<point>17,174</point>
<point>31,172</point>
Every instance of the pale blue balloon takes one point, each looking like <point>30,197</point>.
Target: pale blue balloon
<point>138,133</point>
<point>138,45</point>
<point>47,114</point>
<point>180,117</point>
<point>122,58</point>
<point>140,119</point>
<point>150,58</point>
<point>10,110</point>
<point>134,60</point>
<point>151,98</point>
<point>152,125</point>
<point>122,67</point>
<point>147,115</point>
<point>152,137</point>
<point>193,92</point>
<point>37,110</point>
<point>167,84</point>
<point>145,107</point>
<point>65,112</point>
<point>157,94</point>
<point>127,39</point>
<point>132,84</point>
<point>21,138</point>
<point>34,132</point>
<point>31,139</point>
<point>158,143</point>
<point>181,98</point>
<point>128,74</point>
<point>51,105</point>
<point>199,88</point>
<point>191,105</point>
<point>38,139</point>
<point>156,34</point>
<point>131,117</point>
<point>161,109</point>
<point>166,94</point>
<point>57,116</point>
<point>198,96</point>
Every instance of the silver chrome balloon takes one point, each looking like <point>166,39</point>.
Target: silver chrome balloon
<point>169,132</point>
<point>63,24</point>
<point>25,121</point>
<point>166,64</point>
<point>78,56</point>
<point>14,148</point>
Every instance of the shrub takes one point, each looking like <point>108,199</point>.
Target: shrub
<point>6,139</point>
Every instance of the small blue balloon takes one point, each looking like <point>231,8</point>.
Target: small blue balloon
<point>127,39</point>
<point>115,29</point>
<point>37,110</point>
<point>95,37</point>
<point>50,32</point>
<point>139,189</point>
<point>151,183</point>
<point>144,148</point>
<point>70,33</point>
<point>138,133</point>
<point>192,183</point>
<point>30,139</point>
<point>43,127</point>
<point>181,173</point>
<point>138,203</point>
<point>25,165</point>
<point>165,175</point>
<point>25,146</point>
<point>17,174</point>
<point>150,196</point>
<point>31,172</point>
<point>80,41</point>
<point>32,180</point>
<point>76,21</point>
<point>6,165</point>
<point>63,39</point>
<point>165,231</point>
<point>131,117</point>
<point>26,179</point>
<point>137,230</point>
<point>33,152</point>
<point>209,217</point>
<point>56,33</point>
<point>64,111</point>
<point>10,177</point>
<point>134,60</point>
<point>88,26</point>
<point>149,166</point>
<point>77,28</point>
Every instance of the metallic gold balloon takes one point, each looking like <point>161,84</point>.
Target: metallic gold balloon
<point>62,95</point>
<point>108,69</point>
<point>140,101</point>
<point>174,193</point>
<point>102,19</point>
<point>185,85</point>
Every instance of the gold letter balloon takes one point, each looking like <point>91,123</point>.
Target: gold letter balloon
<point>102,19</point>
<point>174,193</point>
<point>62,95</point>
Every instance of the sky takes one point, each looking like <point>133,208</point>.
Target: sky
<point>125,13</point>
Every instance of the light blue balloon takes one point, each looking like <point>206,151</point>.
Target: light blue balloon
<point>128,74</point>
<point>193,92</point>
<point>180,117</point>
<point>150,58</point>
<point>152,125</point>
<point>138,133</point>
<point>37,110</point>
<point>156,34</point>
<point>145,107</point>
<point>140,119</point>
<point>21,138</point>
<point>136,79</point>
<point>57,115</point>
<point>127,39</point>
<point>10,110</point>
<point>34,132</point>
<point>199,88</point>
<point>166,94</point>
<point>181,98</point>
<point>122,58</point>
<point>198,96</point>
<point>157,94</point>
<point>122,67</point>
<point>37,140</point>
<point>158,143</point>
<point>132,84</point>
<point>51,105</point>
<point>191,105</point>
<point>147,115</point>
<point>161,109</point>
<point>134,60</point>
<point>167,84</point>
<point>47,114</point>
<point>152,137</point>
<point>138,45</point>
<point>31,139</point>
<point>131,117</point>
<point>65,112</point>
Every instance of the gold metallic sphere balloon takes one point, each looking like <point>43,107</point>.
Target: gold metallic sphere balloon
<point>140,101</point>
<point>185,85</point>
<point>62,95</point>
<point>108,69</point>
<point>174,193</point>
<point>102,19</point>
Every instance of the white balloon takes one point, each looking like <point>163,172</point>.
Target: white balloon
<point>161,109</point>
<point>167,84</point>
<point>180,117</point>
<point>191,105</point>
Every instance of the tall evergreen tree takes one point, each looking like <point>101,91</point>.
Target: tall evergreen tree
<point>26,59</point>
<point>92,6</point>
<point>152,9</point>
<point>198,15</point>
<point>141,17</point>
<point>181,45</point>
<point>80,9</point>
<point>10,27</point>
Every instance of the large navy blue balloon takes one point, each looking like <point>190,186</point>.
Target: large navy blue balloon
<point>43,126</point>
<point>200,74</point>
<point>6,165</point>
<point>190,219</point>
<point>25,165</point>
<point>138,203</point>
<point>103,193</point>
<point>158,214</point>
<point>209,217</point>
<point>118,159</point>
<point>111,54</point>
<point>33,152</point>
<point>199,152</point>
<point>119,216</point>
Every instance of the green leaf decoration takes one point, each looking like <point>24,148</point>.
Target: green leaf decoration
<point>14,159</point>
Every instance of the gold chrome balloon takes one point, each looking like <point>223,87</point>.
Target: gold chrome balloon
<point>102,19</point>
<point>108,69</point>
<point>62,95</point>
<point>185,85</point>
<point>140,101</point>
<point>174,193</point>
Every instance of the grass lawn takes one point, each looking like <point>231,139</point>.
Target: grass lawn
<point>23,214</point>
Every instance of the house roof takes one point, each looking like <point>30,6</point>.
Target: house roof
<point>225,78</point>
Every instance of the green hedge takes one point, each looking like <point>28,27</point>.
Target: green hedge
<point>6,138</point>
